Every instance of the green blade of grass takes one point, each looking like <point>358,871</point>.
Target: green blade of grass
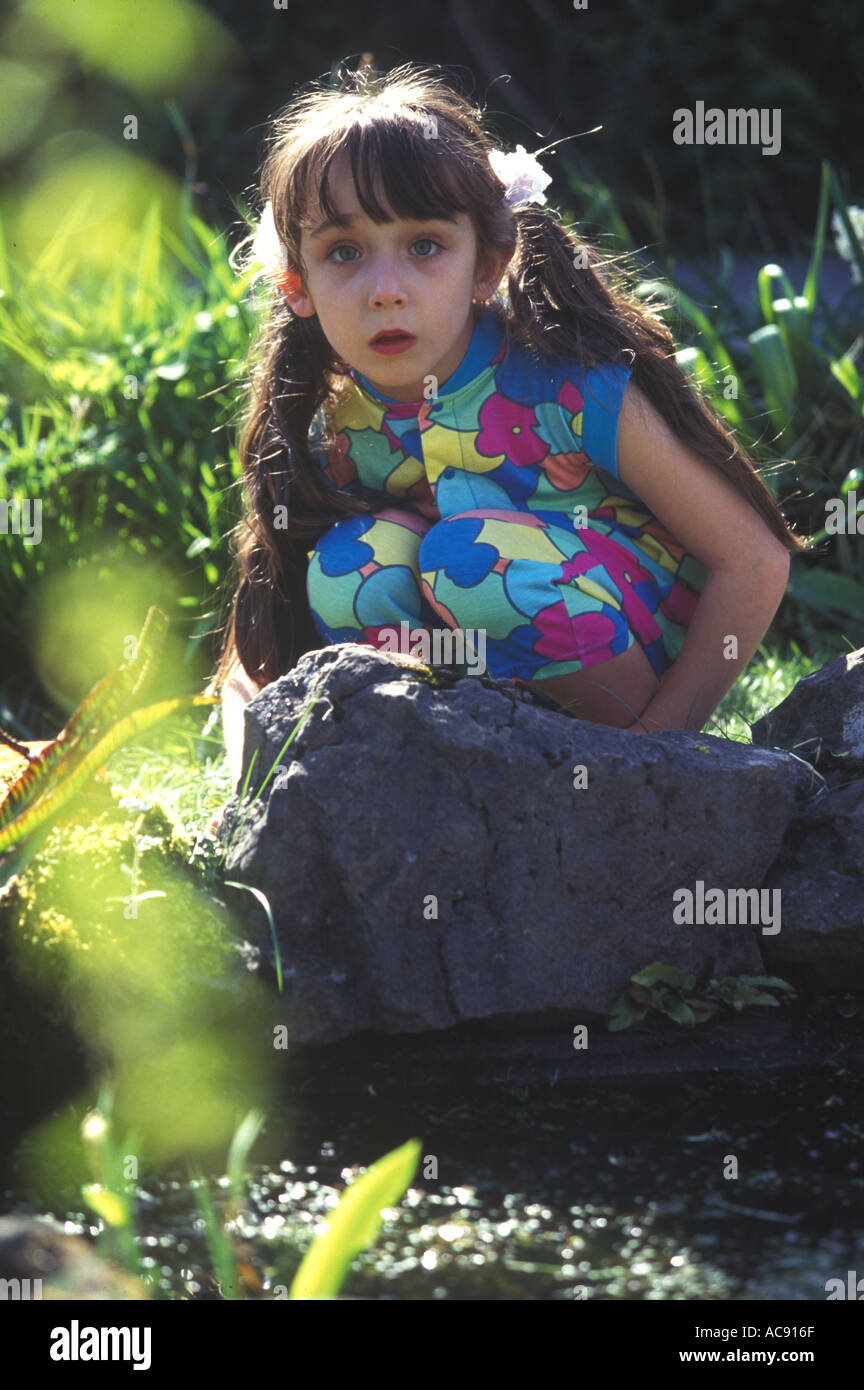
<point>263,900</point>
<point>355,1223</point>
<point>221,1250</point>
<point>244,1137</point>
<point>811,282</point>
<point>771,280</point>
<point>293,734</point>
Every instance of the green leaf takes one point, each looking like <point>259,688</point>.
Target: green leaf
<point>680,1011</point>
<point>624,1012</point>
<point>201,543</point>
<point>775,369</point>
<point>853,481</point>
<point>828,592</point>
<point>666,974</point>
<point>772,280</point>
<point>222,1254</point>
<point>244,1137</point>
<point>846,372</point>
<point>793,318</point>
<point>355,1223</point>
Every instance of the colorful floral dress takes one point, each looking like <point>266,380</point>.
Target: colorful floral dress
<point>498,506</point>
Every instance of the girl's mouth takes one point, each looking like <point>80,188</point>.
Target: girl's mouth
<point>390,341</point>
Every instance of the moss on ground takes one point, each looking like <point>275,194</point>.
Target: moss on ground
<point>103,894</point>
<point>110,945</point>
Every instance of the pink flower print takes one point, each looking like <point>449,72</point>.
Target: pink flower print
<point>589,635</point>
<point>509,429</point>
<point>637,587</point>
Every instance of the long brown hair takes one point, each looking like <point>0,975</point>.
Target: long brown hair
<point>591,316</point>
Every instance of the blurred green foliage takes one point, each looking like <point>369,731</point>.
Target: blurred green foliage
<point>113,386</point>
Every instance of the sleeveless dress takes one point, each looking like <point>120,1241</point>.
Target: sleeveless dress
<point>498,507</point>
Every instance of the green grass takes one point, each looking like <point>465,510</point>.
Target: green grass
<point>767,681</point>
<point>117,410</point>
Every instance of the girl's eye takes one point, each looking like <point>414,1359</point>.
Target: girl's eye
<point>423,240</point>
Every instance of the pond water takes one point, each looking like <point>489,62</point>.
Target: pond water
<point>607,1191</point>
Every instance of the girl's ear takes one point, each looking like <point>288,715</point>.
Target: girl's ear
<point>301,305</point>
<point>291,285</point>
<point>489,277</point>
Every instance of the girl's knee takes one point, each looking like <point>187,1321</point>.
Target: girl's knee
<point>628,675</point>
<point>363,573</point>
<point>615,691</point>
<point>388,537</point>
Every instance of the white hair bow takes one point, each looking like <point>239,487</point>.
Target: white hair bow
<point>523,175</point>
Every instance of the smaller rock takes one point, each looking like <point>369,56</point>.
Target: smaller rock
<point>822,719</point>
<point>820,875</point>
<point>39,1261</point>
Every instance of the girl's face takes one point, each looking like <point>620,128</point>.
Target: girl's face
<point>365,277</point>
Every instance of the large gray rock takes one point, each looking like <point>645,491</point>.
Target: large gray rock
<point>429,861</point>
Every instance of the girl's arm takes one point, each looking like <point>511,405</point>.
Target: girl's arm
<point>748,567</point>
<point>237,691</point>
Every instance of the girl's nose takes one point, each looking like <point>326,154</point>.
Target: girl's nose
<point>381,297</point>
<point>386,287</point>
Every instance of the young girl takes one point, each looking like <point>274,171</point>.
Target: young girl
<point>532,464</point>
